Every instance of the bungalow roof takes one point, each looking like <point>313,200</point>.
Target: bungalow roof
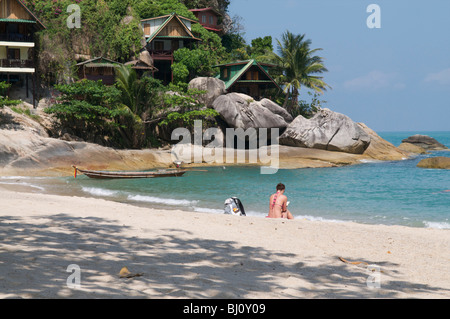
<point>246,65</point>
<point>39,23</point>
<point>166,22</point>
<point>98,62</point>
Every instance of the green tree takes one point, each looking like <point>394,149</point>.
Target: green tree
<point>300,67</point>
<point>221,5</point>
<point>198,61</point>
<point>153,8</point>
<point>141,95</point>
<point>260,46</point>
<point>4,100</point>
<point>88,108</point>
<point>127,82</point>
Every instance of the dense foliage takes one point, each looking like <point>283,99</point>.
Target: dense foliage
<point>95,112</point>
<point>109,28</point>
<point>89,108</point>
<point>199,61</point>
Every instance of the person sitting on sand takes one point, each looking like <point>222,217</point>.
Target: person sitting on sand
<point>278,204</point>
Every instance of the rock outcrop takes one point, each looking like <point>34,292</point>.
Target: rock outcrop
<point>380,149</point>
<point>413,148</point>
<point>426,142</point>
<point>26,149</point>
<point>440,162</point>
<point>327,130</point>
<point>276,109</point>
<point>242,111</point>
<point>213,87</point>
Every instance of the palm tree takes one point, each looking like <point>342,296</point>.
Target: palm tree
<point>300,67</point>
<point>128,82</point>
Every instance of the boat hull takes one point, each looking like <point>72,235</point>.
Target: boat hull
<point>129,175</point>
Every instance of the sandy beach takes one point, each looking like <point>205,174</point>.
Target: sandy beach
<point>198,255</point>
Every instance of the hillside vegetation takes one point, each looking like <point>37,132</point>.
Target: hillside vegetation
<point>109,28</point>
<point>134,113</point>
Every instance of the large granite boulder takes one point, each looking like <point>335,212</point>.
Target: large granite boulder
<point>213,87</point>
<point>327,130</point>
<point>380,149</point>
<point>241,111</point>
<point>276,109</point>
<point>425,141</point>
<point>435,162</point>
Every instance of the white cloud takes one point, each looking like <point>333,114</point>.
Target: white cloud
<point>374,80</point>
<point>442,77</point>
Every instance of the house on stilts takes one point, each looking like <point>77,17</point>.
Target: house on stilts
<point>18,26</point>
<point>164,35</point>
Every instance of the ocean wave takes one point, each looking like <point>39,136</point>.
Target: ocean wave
<point>14,177</point>
<point>21,177</point>
<point>369,161</point>
<point>99,191</point>
<point>437,225</point>
<point>158,200</point>
<point>24,184</point>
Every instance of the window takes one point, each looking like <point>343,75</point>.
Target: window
<point>13,54</point>
<point>203,18</point>
<point>159,46</point>
<point>211,20</point>
<point>225,73</point>
<point>147,29</point>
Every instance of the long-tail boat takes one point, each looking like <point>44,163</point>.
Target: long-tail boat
<point>124,174</point>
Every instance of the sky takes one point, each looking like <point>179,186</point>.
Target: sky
<point>392,78</point>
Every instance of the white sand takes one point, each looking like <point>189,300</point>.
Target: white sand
<point>199,255</point>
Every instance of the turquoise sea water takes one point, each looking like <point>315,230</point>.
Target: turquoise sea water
<point>392,193</point>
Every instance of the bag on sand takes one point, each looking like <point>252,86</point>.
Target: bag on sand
<point>233,206</point>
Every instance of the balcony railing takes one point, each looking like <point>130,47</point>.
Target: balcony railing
<point>14,63</point>
<point>162,55</point>
<point>16,37</point>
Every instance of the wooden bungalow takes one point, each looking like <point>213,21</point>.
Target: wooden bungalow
<point>17,44</point>
<point>164,35</point>
<point>143,64</point>
<point>210,19</point>
<point>141,67</point>
<point>248,77</point>
<point>99,68</point>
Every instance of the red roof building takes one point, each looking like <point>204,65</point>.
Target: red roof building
<point>209,18</point>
